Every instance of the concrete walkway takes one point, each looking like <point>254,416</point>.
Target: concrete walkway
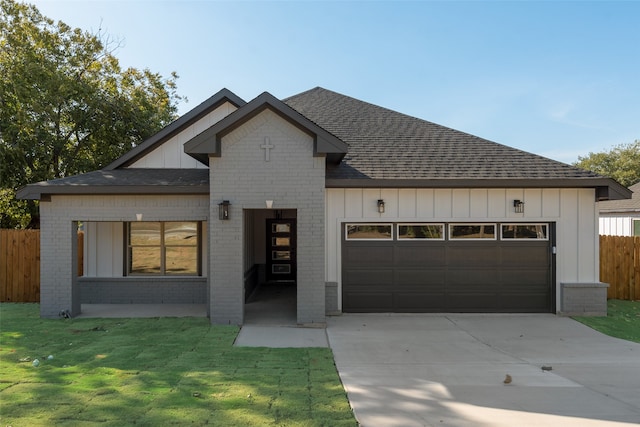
<point>449,370</point>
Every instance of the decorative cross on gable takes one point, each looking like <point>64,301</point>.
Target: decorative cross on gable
<point>267,146</point>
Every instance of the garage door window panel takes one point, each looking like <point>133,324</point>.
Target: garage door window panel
<point>419,232</point>
<point>369,231</point>
<point>512,232</point>
<point>472,231</point>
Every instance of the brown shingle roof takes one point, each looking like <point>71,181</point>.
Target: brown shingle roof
<point>385,144</point>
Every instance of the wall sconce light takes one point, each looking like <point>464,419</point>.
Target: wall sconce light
<point>138,217</point>
<point>269,203</point>
<point>518,206</point>
<point>223,210</point>
<point>380,206</point>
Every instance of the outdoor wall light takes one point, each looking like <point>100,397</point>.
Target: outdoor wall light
<point>139,217</point>
<point>223,210</point>
<point>380,206</point>
<point>269,203</point>
<point>518,206</point>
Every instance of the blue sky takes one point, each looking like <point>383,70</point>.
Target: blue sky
<point>559,79</point>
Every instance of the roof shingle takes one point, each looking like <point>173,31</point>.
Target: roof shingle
<point>385,144</point>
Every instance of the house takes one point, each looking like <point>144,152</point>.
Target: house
<point>621,217</point>
<point>363,208</point>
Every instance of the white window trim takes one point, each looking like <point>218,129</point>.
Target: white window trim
<point>351,239</point>
<point>469,239</point>
<point>420,224</point>
<point>517,239</point>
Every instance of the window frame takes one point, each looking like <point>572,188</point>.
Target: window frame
<point>470,239</point>
<point>163,251</point>
<point>421,224</point>
<point>377,224</point>
<point>512,239</point>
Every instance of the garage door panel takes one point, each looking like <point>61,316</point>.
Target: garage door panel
<point>537,278</point>
<point>526,302</point>
<point>414,254</point>
<point>472,277</point>
<point>472,255</point>
<point>369,302</point>
<point>472,302</point>
<point>420,302</point>
<point>364,278</point>
<point>421,277</point>
<point>523,256</point>
<point>362,255</point>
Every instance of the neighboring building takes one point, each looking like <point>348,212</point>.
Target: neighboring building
<point>621,217</point>
<point>366,209</point>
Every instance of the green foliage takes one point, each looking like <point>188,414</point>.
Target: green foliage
<point>158,371</point>
<point>622,321</point>
<point>66,105</point>
<point>622,163</point>
<point>14,213</point>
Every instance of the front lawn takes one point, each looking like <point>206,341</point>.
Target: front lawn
<point>622,321</point>
<point>157,372</point>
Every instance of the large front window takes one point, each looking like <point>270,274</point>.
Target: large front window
<point>163,248</point>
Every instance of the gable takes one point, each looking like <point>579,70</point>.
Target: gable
<point>186,121</point>
<point>170,153</point>
<point>207,143</point>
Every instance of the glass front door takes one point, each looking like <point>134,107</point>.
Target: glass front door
<point>281,249</point>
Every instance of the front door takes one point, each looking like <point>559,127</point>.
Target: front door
<point>281,250</point>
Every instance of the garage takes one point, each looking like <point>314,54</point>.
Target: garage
<point>448,267</point>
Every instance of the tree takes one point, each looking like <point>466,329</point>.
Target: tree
<point>66,105</point>
<point>622,163</point>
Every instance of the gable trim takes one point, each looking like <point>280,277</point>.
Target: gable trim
<point>150,144</point>
<point>208,142</point>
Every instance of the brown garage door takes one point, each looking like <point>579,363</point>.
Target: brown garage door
<point>382,272</point>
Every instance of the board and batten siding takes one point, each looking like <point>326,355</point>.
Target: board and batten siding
<point>617,224</point>
<point>171,153</point>
<point>572,210</point>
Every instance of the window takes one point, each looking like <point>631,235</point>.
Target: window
<point>525,231</point>
<point>472,231</point>
<point>369,231</point>
<point>163,248</point>
<point>636,227</point>
<point>420,231</point>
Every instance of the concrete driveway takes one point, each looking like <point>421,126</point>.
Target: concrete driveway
<point>449,370</point>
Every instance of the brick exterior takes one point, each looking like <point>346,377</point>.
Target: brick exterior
<point>60,289</point>
<point>584,299</point>
<point>293,179</point>
<point>143,290</point>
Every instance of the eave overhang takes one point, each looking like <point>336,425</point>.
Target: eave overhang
<point>606,188</point>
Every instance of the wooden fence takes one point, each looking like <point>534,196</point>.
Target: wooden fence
<point>20,264</point>
<point>620,266</point>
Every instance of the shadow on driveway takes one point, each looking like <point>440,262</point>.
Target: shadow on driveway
<point>449,370</point>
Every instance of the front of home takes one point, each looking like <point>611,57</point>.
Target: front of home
<point>362,208</point>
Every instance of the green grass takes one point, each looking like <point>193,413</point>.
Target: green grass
<point>622,321</point>
<point>158,372</point>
